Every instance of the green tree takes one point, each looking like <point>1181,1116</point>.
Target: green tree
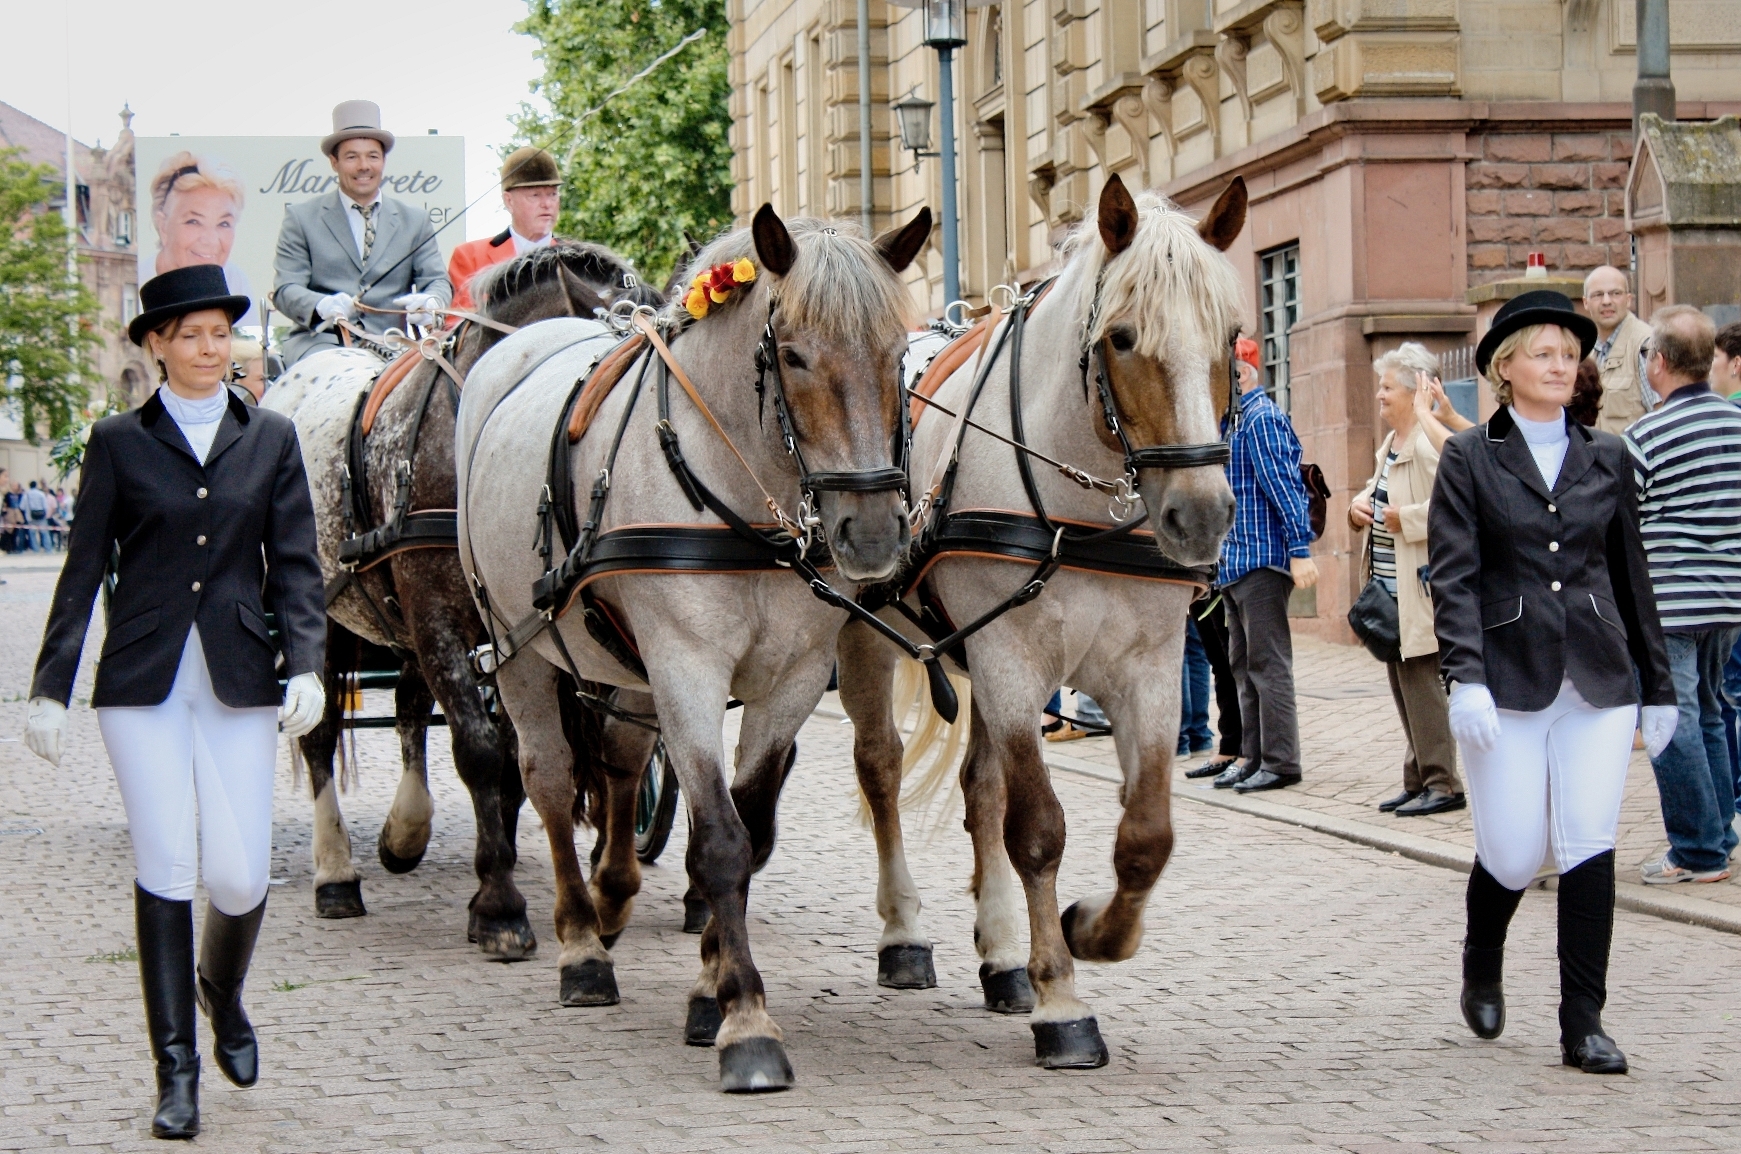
<point>655,163</point>
<point>48,326</point>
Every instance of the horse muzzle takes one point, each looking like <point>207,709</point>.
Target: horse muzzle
<point>1190,513</point>
<point>867,529</point>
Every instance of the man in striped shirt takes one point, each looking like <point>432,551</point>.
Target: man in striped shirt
<point>1264,559</point>
<point>1687,458</point>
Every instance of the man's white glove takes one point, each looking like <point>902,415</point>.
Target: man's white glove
<point>45,729</point>
<point>331,308</point>
<point>1658,725</point>
<point>304,705</point>
<point>1474,718</point>
<point>419,308</point>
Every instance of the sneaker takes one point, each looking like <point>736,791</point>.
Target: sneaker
<point>1663,872</point>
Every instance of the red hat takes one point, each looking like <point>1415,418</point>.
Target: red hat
<point>1246,350</point>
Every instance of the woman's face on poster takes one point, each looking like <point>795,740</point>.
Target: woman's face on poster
<point>196,226</point>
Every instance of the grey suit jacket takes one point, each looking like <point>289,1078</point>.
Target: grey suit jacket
<point>318,256</point>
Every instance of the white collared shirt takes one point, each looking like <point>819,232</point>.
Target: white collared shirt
<point>354,215</point>
<point>522,246</point>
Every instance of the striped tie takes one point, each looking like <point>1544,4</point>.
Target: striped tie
<point>368,211</point>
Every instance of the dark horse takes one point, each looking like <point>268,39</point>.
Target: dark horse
<point>412,597</point>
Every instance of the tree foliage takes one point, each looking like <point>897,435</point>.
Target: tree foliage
<point>48,326</point>
<point>655,163</point>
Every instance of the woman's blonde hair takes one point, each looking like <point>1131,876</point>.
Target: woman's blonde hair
<point>185,172</point>
<point>1508,348</point>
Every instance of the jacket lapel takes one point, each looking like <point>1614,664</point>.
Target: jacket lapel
<point>385,227</point>
<point>1512,451</point>
<point>1580,455</point>
<point>340,227</point>
<point>229,429</point>
<point>156,418</point>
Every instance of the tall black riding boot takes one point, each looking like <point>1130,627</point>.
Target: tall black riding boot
<point>165,931</point>
<point>1490,906</point>
<point>226,947</point>
<point>1586,931</point>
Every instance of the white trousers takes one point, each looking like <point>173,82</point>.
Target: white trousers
<point>196,778</point>
<point>1554,776</point>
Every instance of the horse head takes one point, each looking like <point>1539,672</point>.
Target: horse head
<point>832,316</point>
<point>1159,322</point>
<point>566,278</point>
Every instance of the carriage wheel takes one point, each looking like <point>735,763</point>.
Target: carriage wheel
<point>655,807</point>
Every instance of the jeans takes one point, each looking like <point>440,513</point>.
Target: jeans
<point>1194,732</point>
<point>1731,719</point>
<point>1693,775</point>
<point>39,536</point>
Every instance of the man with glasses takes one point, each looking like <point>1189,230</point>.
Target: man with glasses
<point>1620,338</point>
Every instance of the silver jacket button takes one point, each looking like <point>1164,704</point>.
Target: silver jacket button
<point>1555,586</point>
<point>1553,508</point>
<point>196,586</point>
<point>200,492</point>
<point>200,540</point>
<point>1553,546</point>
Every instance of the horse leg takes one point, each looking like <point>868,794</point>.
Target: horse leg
<point>405,833</point>
<point>867,665</point>
<point>997,932</point>
<point>529,687</point>
<point>625,749</point>
<point>338,892</point>
<point>1066,1036</point>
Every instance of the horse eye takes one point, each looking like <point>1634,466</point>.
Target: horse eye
<point>793,360</point>
<point>1124,340</point>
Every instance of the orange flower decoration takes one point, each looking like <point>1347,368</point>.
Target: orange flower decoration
<point>715,286</point>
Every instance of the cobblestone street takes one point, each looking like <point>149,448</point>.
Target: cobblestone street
<point>1295,991</point>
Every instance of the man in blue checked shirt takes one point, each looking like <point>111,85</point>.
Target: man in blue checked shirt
<point>1265,558</point>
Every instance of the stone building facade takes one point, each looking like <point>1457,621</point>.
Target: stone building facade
<point>1398,153</point>
<point>108,263</point>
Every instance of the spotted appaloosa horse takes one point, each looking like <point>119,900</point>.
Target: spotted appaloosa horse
<point>417,601</point>
<point>1147,287</point>
<point>840,315</point>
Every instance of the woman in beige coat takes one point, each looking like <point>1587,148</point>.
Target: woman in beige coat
<point>1394,506</point>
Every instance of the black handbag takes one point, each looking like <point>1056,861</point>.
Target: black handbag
<point>1373,616</point>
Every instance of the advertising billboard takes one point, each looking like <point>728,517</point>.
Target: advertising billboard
<point>220,199</point>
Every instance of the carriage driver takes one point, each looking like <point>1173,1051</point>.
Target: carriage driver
<point>354,246</point>
<point>531,192</point>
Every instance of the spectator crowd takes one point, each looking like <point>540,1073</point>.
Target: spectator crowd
<point>36,518</point>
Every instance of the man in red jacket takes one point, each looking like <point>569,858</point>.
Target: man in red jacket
<point>531,192</point>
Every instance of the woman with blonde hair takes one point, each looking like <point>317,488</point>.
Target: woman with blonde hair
<point>1543,606</point>
<point>196,208</point>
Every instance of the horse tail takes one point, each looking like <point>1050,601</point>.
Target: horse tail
<point>931,748</point>
<point>584,729</point>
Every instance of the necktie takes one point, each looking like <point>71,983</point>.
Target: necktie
<point>368,211</point>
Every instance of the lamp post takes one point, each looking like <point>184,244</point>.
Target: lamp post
<point>913,114</point>
<point>1654,90</point>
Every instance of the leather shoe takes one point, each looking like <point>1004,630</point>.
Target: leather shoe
<point>1432,801</point>
<point>1233,775</point>
<point>1265,779</point>
<point>1214,767</point>
<point>1596,1054</point>
<point>1483,997</point>
<point>1399,800</point>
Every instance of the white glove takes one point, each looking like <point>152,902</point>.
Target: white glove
<point>1474,718</point>
<point>331,308</point>
<point>304,705</point>
<point>45,729</point>
<point>419,308</point>
<point>1658,723</point>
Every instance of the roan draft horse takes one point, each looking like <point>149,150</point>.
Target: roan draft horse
<point>1120,369</point>
<point>377,442</point>
<point>764,436</point>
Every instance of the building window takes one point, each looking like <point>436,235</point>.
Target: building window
<point>129,303</point>
<point>1279,281</point>
<point>124,228</point>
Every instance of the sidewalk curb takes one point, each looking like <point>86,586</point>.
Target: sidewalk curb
<point>1633,896</point>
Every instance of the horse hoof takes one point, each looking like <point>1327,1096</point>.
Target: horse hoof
<point>754,1066</point>
<point>589,983</point>
<point>696,912</point>
<point>339,900</point>
<point>506,940</point>
<point>1007,991</point>
<point>1069,1045</point>
<point>392,862</point>
<point>703,1024</point>
<point>906,968</point>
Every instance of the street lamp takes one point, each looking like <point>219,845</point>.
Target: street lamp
<point>913,113</point>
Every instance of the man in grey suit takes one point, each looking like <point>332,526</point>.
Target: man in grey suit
<point>353,246</point>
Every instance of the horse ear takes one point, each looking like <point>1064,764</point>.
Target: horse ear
<point>581,298</point>
<point>773,243</point>
<point>1227,218</point>
<point>1116,216</point>
<point>899,246</point>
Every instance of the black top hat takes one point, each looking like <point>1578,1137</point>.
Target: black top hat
<point>1541,307</point>
<point>181,291</point>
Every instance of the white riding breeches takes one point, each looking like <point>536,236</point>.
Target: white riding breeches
<point>196,778</point>
<point>1554,776</point>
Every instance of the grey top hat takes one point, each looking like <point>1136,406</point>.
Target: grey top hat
<point>352,119</point>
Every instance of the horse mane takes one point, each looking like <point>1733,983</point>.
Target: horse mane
<point>840,287</point>
<point>594,264</point>
<point>1170,283</point>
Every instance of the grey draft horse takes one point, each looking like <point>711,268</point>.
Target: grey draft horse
<point>416,601</point>
<point>1146,288</point>
<point>832,308</point>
